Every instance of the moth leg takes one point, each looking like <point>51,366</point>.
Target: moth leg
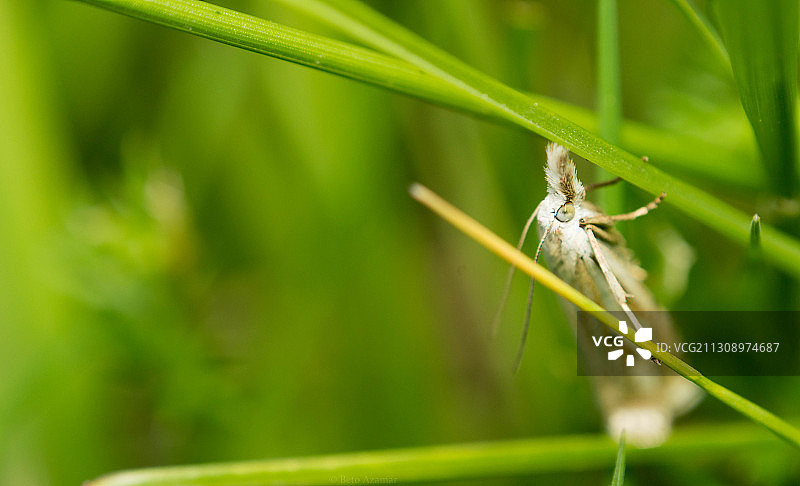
<point>616,289</point>
<point>597,185</point>
<point>613,238</point>
<point>608,220</point>
<point>510,277</point>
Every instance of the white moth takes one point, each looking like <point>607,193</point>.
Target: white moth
<point>582,247</point>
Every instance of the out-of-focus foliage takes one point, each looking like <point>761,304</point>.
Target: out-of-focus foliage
<point>209,255</point>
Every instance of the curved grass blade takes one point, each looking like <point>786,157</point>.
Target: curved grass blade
<point>372,28</point>
<point>673,151</point>
<point>762,41</point>
<point>479,93</point>
<point>505,250</point>
<point>264,37</point>
<point>458,461</point>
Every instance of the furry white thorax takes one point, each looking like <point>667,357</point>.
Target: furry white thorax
<point>570,235</point>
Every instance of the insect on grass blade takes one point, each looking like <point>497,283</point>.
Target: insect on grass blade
<point>582,246</point>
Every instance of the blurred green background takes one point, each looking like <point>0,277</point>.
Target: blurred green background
<point>210,255</point>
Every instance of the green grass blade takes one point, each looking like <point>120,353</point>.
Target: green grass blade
<point>276,40</point>
<point>762,41</point>
<point>374,29</point>
<point>619,468</point>
<point>461,461</point>
<point>609,95</point>
<point>462,87</point>
<point>609,88</point>
<point>676,152</point>
<point>755,234</point>
<point>706,30</point>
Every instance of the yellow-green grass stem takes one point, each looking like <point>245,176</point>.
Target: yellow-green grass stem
<point>505,250</point>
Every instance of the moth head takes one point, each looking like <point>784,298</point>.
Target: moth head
<point>562,180</point>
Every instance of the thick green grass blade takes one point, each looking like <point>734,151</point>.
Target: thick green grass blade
<point>460,461</point>
<point>432,74</point>
<point>761,38</point>
<point>361,22</point>
<point>619,468</point>
<point>262,36</point>
<point>677,152</point>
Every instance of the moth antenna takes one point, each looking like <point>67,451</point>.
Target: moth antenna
<point>529,306</point>
<point>507,289</point>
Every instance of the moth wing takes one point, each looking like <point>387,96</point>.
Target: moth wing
<point>644,403</point>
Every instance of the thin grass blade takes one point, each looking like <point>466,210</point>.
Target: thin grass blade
<point>705,29</point>
<point>457,461</point>
<point>761,38</point>
<point>619,468</point>
<point>485,237</point>
<point>609,96</point>
<point>609,87</point>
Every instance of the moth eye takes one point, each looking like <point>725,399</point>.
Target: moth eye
<point>566,212</point>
